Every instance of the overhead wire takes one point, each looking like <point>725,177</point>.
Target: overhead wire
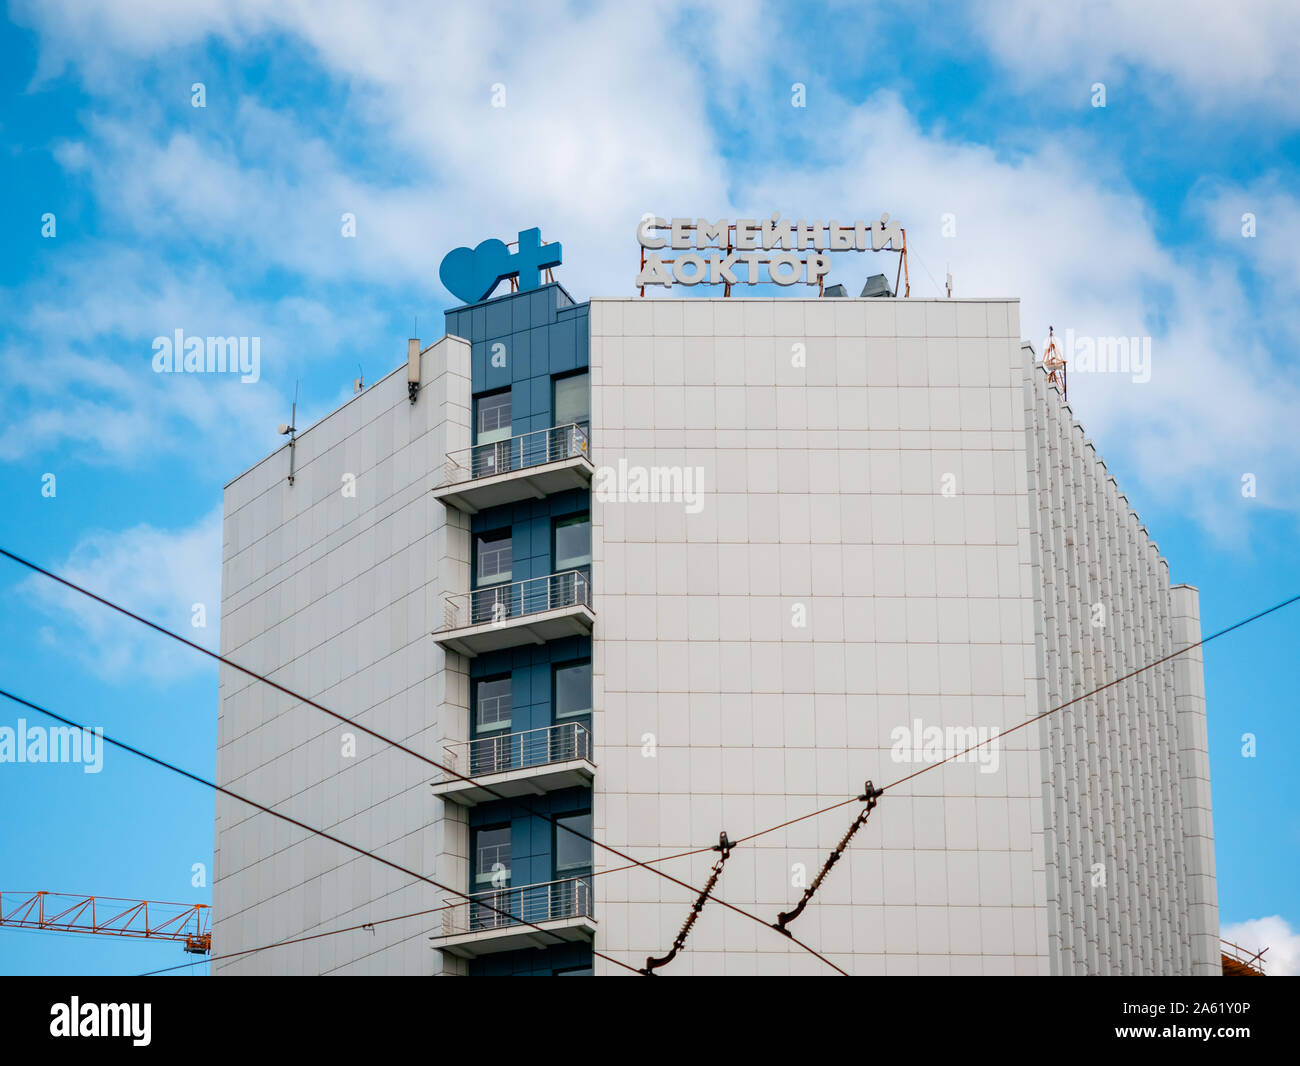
<point>36,568</point>
<point>304,939</point>
<point>396,918</point>
<point>784,919</point>
<point>295,822</point>
<point>1101,688</point>
<point>634,863</point>
<point>724,846</point>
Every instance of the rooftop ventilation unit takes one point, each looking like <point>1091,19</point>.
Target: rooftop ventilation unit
<point>835,290</point>
<point>876,286</point>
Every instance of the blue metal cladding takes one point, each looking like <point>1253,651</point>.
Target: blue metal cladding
<point>532,839</point>
<point>523,341</point>
<point>543,333</point>
<point>531,523</point>
<point>533,963</point>
<point>530,670</point>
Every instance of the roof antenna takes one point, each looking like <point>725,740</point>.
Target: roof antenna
<point>360,383</point>
<point>291,430</point>
<point>948,279</point>
<point>1054,361</point>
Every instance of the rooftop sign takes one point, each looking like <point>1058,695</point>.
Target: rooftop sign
<point>470,274</point>
<point>733,253</point>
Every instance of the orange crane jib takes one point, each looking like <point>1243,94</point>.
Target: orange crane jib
<point>189,924</point>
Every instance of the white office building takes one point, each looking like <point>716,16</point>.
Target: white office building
<point>645,570</point>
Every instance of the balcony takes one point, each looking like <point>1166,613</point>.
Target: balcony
<point>494,920</point>
<point>518,764</point>
<point>527,467</point>
<point>511,615</point>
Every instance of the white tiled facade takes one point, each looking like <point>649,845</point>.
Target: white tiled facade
<point>901,524</point>
<point>331,595</point>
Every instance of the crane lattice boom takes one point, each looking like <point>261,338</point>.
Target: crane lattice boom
<point>189,924</point>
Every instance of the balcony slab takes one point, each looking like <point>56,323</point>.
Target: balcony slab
<point>527,483</point>
<point>526,781</point>
<point>576,620</point>
<point>514,937</point>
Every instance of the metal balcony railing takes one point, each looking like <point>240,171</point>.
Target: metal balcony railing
<point>516,453</point>
<point>517,599</point>
<point>503,908</point>
<point>1240,962</point>
<point>518,751</point>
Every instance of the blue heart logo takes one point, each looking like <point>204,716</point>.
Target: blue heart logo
<point>470,274</point>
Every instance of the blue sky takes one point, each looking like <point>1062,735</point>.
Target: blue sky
<point>226,220</point>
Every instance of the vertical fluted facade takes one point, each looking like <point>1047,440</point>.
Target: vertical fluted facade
<point>1128,838</point>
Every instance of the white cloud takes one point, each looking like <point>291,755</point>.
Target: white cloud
<point>1192,53</point>
<point>78,362</point>
<point>1274,933</point>
<point>93,34</point>
<point>1222,208</point>
<point>585,148</point>
<point>158,574</point>
<point>265,193</point>
<point>1079,248</point>
<point>582,149</point>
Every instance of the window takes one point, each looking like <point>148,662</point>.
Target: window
<point>573,543</point>
<point>572,852</point>
<point>492,418</point>
<point>492,704</point>
<point>572,400</point>
<point>491,600</point>
<point>492,452</point>
<point>573,971</point>
<point>491,852</point>
<point>493,556</point>
<point>572,689</point>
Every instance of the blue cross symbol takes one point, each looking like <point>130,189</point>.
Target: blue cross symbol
<point>532,258</point>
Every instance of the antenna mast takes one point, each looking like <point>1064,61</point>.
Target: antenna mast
<point>1054,364</point>
<point>291,431</point>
